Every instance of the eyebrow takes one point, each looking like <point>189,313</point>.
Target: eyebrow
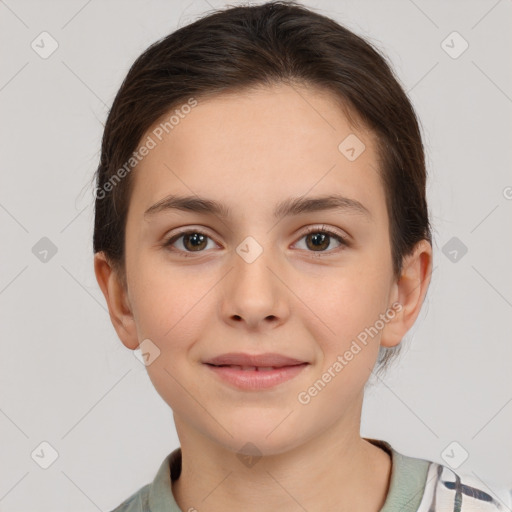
<point>286,208</point>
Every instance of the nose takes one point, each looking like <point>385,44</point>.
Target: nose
<point>255,293</point>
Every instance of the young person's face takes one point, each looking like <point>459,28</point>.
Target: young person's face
<point>257,283</point>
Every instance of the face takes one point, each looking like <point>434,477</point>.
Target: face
<point>257,277</point>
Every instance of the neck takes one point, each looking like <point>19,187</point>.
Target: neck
<point>337,471</point>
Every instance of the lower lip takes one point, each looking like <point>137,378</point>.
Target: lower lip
<point>254,379</point>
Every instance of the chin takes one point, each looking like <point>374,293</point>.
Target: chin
<point>261,438</point>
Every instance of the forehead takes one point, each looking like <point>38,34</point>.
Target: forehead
<point>267,142</point>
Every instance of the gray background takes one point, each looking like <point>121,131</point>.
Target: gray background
<point>66,379</point>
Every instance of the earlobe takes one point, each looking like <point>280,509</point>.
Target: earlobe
<point>409,292</point>
<point>118,302</point>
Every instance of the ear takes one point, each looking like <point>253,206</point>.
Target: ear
<point>118,302</point>
<point>408,293</point>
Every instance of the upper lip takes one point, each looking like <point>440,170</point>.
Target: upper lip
<point>265,360</point>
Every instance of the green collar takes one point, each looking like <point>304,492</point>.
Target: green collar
<point>407,484</point>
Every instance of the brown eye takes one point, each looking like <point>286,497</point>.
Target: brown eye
<point>320,239</point>
<point>190,241</point>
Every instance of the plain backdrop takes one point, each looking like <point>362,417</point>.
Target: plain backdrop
<point>65,377</point>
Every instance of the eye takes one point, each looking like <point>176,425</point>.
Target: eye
<point>193,241</point>
<point>318,238</point>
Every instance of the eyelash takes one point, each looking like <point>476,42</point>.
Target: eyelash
<point>313,229</point>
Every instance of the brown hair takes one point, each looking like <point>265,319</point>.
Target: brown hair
<point>240,47</point>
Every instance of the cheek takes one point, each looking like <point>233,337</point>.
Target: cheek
<point>343,309</point>
<point>168,304</point>
<point>171,310</point>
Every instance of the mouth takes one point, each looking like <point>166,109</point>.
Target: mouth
<point>253,368</point>
<point>245,360</point>
<point>255,378</point>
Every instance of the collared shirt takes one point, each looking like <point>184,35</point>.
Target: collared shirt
<point>416,485</point>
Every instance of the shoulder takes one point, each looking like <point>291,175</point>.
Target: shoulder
<point>137,502</point>
<point>156,495</point>
<point>420,485</point>
<point>447,490</point>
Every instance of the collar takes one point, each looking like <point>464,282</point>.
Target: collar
<point>406,487</point>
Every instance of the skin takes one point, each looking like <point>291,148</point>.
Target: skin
<point>251,151</point>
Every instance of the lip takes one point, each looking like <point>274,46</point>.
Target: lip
<point>264,360</point>
<point>256,379</point>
